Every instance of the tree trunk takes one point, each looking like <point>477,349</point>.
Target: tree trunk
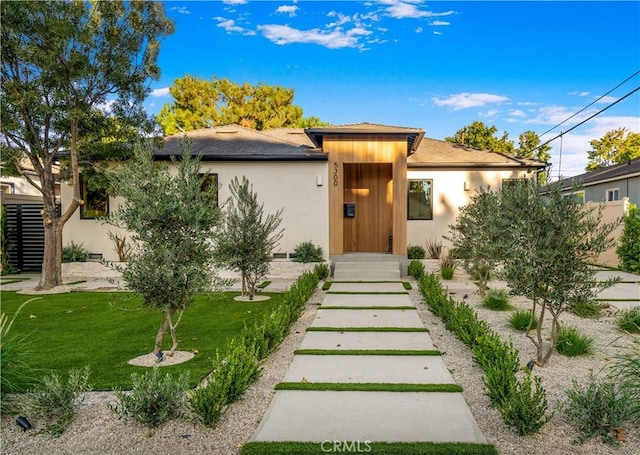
<point>166,324</point>
<point>50,276</point>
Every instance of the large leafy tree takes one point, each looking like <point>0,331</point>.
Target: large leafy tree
<point>247,237</point>
<point>615,147</point>
<point>172,217</point>
<point>200,103</point>
<point>481,136</point>
<point>61,62</point>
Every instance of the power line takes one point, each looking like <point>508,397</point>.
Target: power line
<point>592,103</point>
<point>589,118</point>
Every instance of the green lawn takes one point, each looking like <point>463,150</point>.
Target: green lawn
<point>105,330</point>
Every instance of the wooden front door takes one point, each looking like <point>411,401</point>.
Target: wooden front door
<point>370,188</point>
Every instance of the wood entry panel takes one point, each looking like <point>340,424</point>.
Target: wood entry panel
<point>369,186</point>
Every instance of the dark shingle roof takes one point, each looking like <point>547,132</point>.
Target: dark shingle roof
<point>617,171</point>
<point>436,153</point>
<point>236,143</point>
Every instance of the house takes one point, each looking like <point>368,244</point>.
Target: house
<point>361,188</point>
<point>610,189</point>
<point>613,183</point>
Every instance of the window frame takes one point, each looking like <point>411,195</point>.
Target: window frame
<point>612,191</point>
<point>85,194</point>
<point>430,201</point>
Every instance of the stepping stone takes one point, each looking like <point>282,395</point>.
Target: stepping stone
<point>367,287</point>
<point>316,416</point>
<point>367,318</point>
<point>367,300</point>
<point>367,340</point>
<point>369,368</point>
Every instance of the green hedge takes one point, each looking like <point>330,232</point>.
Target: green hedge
<point>233,374</point>
<point>523,405</point>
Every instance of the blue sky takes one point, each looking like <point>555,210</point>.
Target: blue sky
<point>433,65</point>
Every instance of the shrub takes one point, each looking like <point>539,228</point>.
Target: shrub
<point>629,247</point>
<point>598,409</point>
<point>629,320</point>
<point>625,370</point>
<point>447,267</point>
<point>308,252</point>
<point>434,248</point>
<point>572,343</point>
<point>416,269</point>
<point>55,400</point>
<point>415,252</point>
<point>74,253</point>
<point>154,399</point>
<point>208,402</point>
<point>586,309</point>
<point>496,299</point>
<point>16,371</point>
<point>239,369</point>
<point>322,271</point>
<point>525,408</point>
<point>520,320</point>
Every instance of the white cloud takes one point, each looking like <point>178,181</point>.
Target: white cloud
<point>489,113</point>
<point>235,2</point>
<point>158,92</point>
<point>436,32</point>
<point>333,39</point>
<point>229,25</point>
<point>517,113</point>
<point>180,10</point>
<point>419,30</point>
<point>468,100</point>
<point>438,23</point>
<point>608,99</point>
<point>287,9</point>
<point>107,106</point>
<point>576,93</point>
<point>553,115</point>
<point>409,9</point>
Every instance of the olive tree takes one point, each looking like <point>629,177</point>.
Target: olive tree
<point>247,237</point>
<point>544,251</point>
<point>172,218</point>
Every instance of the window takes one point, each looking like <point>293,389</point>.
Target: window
<point>96,201</point>
<point>420,200</point>
<point>613,195</point>
<point>578,196</point>
<point>211,180</point>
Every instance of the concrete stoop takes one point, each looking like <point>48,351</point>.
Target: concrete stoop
<point>373,416</point>
<point>366,271</point>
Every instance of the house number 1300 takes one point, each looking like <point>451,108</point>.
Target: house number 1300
<point>335,173</point>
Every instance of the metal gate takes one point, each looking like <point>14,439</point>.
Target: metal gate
<point>25,235</point>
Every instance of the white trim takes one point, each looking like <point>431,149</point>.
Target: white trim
<point>613,191</point>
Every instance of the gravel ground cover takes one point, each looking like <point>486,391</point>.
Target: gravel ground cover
<point>96,430</point>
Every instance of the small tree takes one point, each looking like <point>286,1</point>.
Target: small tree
<point>629,248</point>
<point>247,238</point>
<point>543,251</point>
<point>172,219</point>
<point>474,237</point>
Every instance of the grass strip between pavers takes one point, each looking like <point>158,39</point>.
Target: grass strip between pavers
<point>612,300</point>
<point>367,329</point>
<point>429,352</point>
<point>373,448</point>
<point>367,293</point>
<point>368,387</point>
<point>366,281</point>
<point>372,307</point>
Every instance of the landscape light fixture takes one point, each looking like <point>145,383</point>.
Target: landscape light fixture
<point>23,423</point>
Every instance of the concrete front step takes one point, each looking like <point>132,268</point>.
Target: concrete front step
<point>316,416</point>
<point>359,369</point>
<point>367,287</point>
<point>367,271</point>
<point>367,340</point>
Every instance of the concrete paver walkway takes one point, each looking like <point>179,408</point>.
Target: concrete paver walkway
<point>373,416</point>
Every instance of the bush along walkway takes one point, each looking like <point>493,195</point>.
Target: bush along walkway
<point>367,378</point>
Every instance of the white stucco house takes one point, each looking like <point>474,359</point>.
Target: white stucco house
<point>361,188</point>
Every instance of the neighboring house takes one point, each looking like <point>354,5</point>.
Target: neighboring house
<point>361,188</point>
<point>613,183</point>
<point>614,187</point>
